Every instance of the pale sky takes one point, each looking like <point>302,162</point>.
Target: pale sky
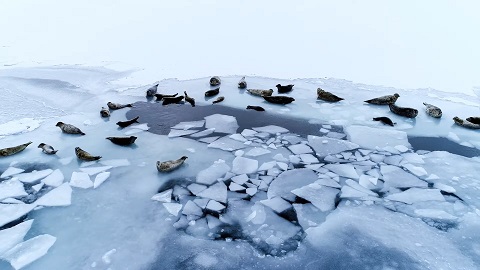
<point>404,44</point>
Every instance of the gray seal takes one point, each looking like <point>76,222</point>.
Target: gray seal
<point>327,96</point>
<point>69,129</point>
<point>465,124</point>
<point>384,100</point>
<point>211,93</point>
<point>279,99</point>
<point>218,100</point>
<point>403,111</point>
<point>432,110</point>
<point>284,88</point>
<point>242,84</point>
<point>152,90</point>
<point>215,80</point>
<point>13,150</point>
<point>385,120</point>
<point>124,141</point>
<point>84,155</point>
<point>189,99</point>
<point>105,112</point>
<point>172,100</point>
<point>117,106</point>
<point>260,92</point>
<point>47,149</point>
<point>170,165</point>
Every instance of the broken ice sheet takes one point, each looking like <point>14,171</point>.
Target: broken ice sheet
<point>226,143</point>
<point>324,146</point>
<point>59,196</point>
<point>290,180</point>
<point>271,129</point>
<point>11,189</point>
<point>222,123</point>
<point>414,195</point>
<point>369,137</point>
<point>320,196</point>
<point>29,251</point>
<point>179,132</point>
<point>81,180</point>
<point>189,125</point>
<point>210,175</point>
<point>14,235</point>
<point>12,212</point>
<point>34,176</point>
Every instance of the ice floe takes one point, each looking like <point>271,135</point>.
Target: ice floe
<point>222,123</point>
<point>59,196</point>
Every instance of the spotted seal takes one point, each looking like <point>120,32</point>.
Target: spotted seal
<point>384,100</point>
<point>162,96</point>
<point>127,123</point>
<point>432,110</point>
<point>465,124</point>
<point>327,96</point>
<point>13,150</point>
<point>242,84</point>
<point>105,112</point>
<point>117,106</point>
<point>403,111</point>
<point>69,129</point>
<point>474,120</point>
<point>84,155</point>
<point>260,92</point>
<point>211,93</point>
<point>172,100</point>
<point>152,90</point>
<point>218,100</point>
<point>47,149</point>
<point>279,99</point>
<point>284,88</point>
<point>189,99</point>
<point>215,80</point>
<point>256,108</point>
<point>122,140</point>
<point>385,120</point>
<point>170,165</point>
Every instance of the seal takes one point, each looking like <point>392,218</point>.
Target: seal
<point>384,100</point>
<point>260,92</point>
<point>47,149</point>
<point>152,90</point>
<point>284,89</point>
<point>127,123</point>
<point>327,96</point>
<point>162,96</point>
<point>211,93</point>
<point>403,111</point>
<point>474,120</point>
<point>172,100</point>
<point>385,120</point>
<point>242,84</point>
<point>465,124</point>
<point>256,108</point>
<point>117,106</point>
<point>13,150</point>
<point>69,129</point>
<point>432,110</point>
<point>124,141</point>
<point>84,155</point>
<point>215,80</point>
<point>189,99</point>
<point>218,100</point>
<point>170,165</point>
<point>104,112</point>
<point>279,99</point>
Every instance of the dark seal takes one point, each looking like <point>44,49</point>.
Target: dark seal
<point>127,123</point>
<point>211,93</point>
<point>403,111</point>
<point>385,120</point>
<point>284,88</point>
<point>124,141</point>
<point>327,96</point>
<point>256,108</point>
<point>279,99</point>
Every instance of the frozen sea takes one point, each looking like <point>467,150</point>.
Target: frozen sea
<point>308,185</point>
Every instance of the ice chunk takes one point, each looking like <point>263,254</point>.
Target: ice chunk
<point>444,187</point>
<point>300,149</point>
<point>29,251</point>
<point>11,189</point>
<point>222,123</point>
<point>435,214</point>
<point>213,222</point>
<point>115,162</point>
<point>248,132</point>
<point>308,158</point>
<point>210,175</point>
<point>11,171</point>
<point>271,129</point>
<point>369,137</point>
<point>325,146</point>
<point>95,170</point>
<point>256,151</point>
<point>454,137</point>
<point>217,192</point>
<point>277,204</point>
<point>320,196</point>
<point>81,180</point>
<point>201,202</point>
<point>237,137</point>
<point>107,257</point>
<point>344,170</point>
<point>13,201</point>
<point>418,171</point>
<point>100,178</point>
<point>55,179</point>
<point>328,182</point>
<point>251,191</point>
<point>267,166</point>
<point>290,180</point>
<point>235,187</point>
<point>414,195</point>
<point>19,126</point>
<point>401,148</point>
<point>209,139</point>
<point>196,188</point>
<point>358,187</point>
<point>295,159</point>
<point>143,127</point>
<point>34,176</point>
<point>396,177</point>
<point>205,260</point>
<point>227,144</point>
<point>14,235</point>
<point>349,192</point>
<point>165,196</point>
<point>59,196</point>
<point>368,181</point>
<point>189,125</point>
<point>242,165</point>
<point>191,208</point>
<point>173,208</point>
<point>282,165</point>
<point>240,179</point>
<point>215,206</point>
<point>180,132</point>
<point>413,158</point>
<point>12,212</point>
<point>393,160</point>
<point>280,157</point>
<point>203,133</point>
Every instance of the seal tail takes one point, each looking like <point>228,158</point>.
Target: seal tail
<point>54,152</point>
<point>135,120</point>
<point>82,133</point>
<point>129,105</point>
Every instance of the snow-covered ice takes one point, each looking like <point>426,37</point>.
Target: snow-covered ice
<point>12,212</point>
<point>241,165</point>
<point>14,235</point>
<point>11,189</point>
<point>29,251</point>
<point>222,123</point>
<point>55,179</point>
<point>100,178</point>
<point>369,137</point>
<point>81,180</point>
<point>59,196</point>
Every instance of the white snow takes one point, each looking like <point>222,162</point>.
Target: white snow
<point>222,123</point>
<point>100,178</point>
<point>29,251</point>
<point>81,180</point>
<point>55,179</point>
<point>59,196</point>
<point>210,175</point>
<point>414,195</point>
<point>11,171</point>
<point>370,138</point>
<point>14,235</point>
<point>12,212</point>
<point>11,189</point>
<point>241,165</point>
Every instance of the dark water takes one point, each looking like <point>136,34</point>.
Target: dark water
<point>161,118</point>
